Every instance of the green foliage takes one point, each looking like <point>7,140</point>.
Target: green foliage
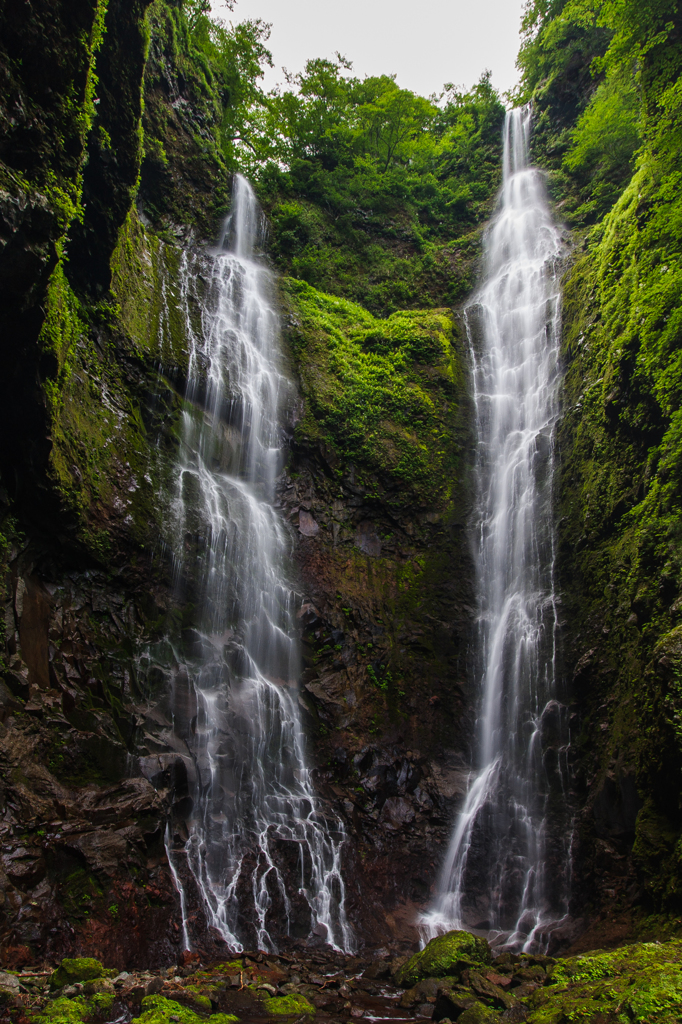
<point>237,57</point>
<point>447,954</point>
<point>375,193</point>
<point>214,70</point>
<point>589,131</point>
<point>604,143</point>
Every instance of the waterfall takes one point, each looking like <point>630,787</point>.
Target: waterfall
<point>505,868</point>
<point>263,857</point>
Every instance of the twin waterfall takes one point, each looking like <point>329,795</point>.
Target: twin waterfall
<point>505,867</point>
<point>256,837</point>
<point>257,844</point>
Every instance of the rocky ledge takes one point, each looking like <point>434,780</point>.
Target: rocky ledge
<point>455,978</point>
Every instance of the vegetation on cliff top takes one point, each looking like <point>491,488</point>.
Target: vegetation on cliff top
<point>377,194</point>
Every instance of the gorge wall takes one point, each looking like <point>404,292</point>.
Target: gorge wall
<point>618,561</point>
<point>116,156</point>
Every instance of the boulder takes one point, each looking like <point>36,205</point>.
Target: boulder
<point>478,1014</point>
<point>448,954</point>
<point>9,988</point>
<point>84,968</point>
<point>288,1005</point>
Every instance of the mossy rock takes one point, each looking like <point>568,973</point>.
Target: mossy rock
<point>158,1010</point>
<point>478,1014</point>
<point>642,982</point>
<point>101,1004</point>
<point>291,1004</point>
<point>76,1010</point>
<point>64,1011</point>
<point>83,968</point>
<point>229,967</point>
<point>199,996</point>
<point>446,954</point>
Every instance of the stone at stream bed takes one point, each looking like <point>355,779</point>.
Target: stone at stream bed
<point>448,954</point>
<point>420,993</point>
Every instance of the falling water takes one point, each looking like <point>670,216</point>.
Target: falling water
<point>503,872</point>
<point>256,843</point>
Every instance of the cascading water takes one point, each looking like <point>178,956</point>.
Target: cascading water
<point>256,840</point>
<point>505,870</point>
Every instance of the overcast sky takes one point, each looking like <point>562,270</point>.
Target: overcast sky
<point>424,42</point>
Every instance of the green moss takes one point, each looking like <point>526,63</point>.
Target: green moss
<point>158,1010</point>
<point>198,997</point>
<point>230,967</point>
<point>634,983</point>
<point>80,969</point>
<point>104,460</point>
<point>146,284</point>
<point>478,1014</point>
<point>63,1011</point>
<point>446,954</point>
<point>101,1003</point>
<point>288,1005</point>
<point>380,393</point>
<point>620,559</point>
<point>75,1010</point>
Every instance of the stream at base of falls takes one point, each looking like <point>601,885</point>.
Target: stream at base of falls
<point>254,841</point>
<point>506,869</point>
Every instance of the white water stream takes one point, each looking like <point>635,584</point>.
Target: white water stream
<point>504,872</point>
<point>257,840</point>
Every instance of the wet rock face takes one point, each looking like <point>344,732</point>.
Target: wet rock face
<point>83,864</point>
<point>385,682</point>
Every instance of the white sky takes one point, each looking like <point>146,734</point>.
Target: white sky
<point>424,42</point>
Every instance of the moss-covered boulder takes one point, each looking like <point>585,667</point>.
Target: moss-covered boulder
<point>642,982</point>
<point>287,1005</point>
<point>199,997</point>
<point>446,954</point>
<point>478,1014</point>
<point>83,968</point>
<point>74,1011</point>
<point>159,1010</point>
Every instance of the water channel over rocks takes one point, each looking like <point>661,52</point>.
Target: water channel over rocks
<point>264,858</point>
<point>506,868</point>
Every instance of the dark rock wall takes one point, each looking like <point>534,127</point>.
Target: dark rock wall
<point>618,486</point>
<point>386,577</point>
